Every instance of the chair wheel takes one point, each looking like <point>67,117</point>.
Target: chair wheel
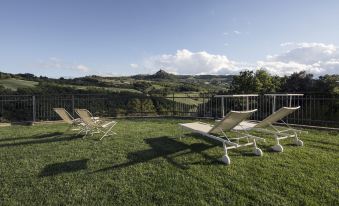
<point>278,148</point>
<point>258,152</point>
<point>298,142</point>
<point>226,159</point>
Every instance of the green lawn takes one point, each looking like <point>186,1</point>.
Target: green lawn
<point>14,84</point>
<point>146,164</point>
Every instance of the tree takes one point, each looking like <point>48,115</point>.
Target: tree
<point>328,84</point>
<point>298,82</point>
<point>250,82</point>
<point>264,82</point>
<point>244,83</point>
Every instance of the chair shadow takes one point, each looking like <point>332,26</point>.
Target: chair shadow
<point>166,147</point>
<point>64,167</point>
<point>39,136</point>
<point>39,139</point>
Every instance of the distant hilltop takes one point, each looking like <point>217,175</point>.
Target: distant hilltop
<point>162,74</point>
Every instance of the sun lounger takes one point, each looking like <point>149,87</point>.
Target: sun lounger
<point>96,126</point>
<point>228,123</point>
<point>267,126</point>
<point>66,117</point>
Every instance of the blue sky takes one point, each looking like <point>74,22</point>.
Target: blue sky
<point>106,37</point>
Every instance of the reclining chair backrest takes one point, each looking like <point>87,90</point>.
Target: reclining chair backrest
<point>232,119</point>
<point>64,115</point>
<point>86,117</point>
<point>276,116</point>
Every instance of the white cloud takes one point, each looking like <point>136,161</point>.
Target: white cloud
<point>316,58</point>
<point>236,32</point>
<point>134,66</point>
<point>58,64</point>
<point>187,62</point>
<point>81,68</point>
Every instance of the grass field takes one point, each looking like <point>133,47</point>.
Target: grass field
<point>146,164</point>
<point>189,99</point>
<point>112,89</point>
<point>14,84</point>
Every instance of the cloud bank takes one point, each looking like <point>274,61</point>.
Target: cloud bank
<point>315,58</point>
<point>187,62</point>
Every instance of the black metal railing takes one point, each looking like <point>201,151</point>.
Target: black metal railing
<point>314,110</point>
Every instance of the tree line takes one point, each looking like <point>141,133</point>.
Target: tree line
<point>262,82</point>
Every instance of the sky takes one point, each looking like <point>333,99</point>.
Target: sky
<point>71,38</point>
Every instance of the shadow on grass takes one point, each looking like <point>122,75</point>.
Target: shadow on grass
<point>64,167</point>
<point>41,140</point>
<point>165,147</point>
<point>39,136</point>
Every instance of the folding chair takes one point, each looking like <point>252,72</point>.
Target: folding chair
<point>66,117</point>
<point>228,123</point>
<point>95,126</point>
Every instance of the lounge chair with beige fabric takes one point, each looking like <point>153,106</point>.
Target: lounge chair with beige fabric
<point>228,123</point>
<point>66,117</point>
<point>267,126</point>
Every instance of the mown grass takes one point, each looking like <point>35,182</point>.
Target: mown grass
<point>147,164</point>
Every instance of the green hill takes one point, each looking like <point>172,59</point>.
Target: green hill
<point>159,82</point>
<point>14,84</point>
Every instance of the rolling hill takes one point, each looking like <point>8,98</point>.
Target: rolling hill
<point>14,84</point>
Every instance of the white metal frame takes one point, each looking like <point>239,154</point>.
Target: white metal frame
<point>282,95</point>
<point>234,96</point>
<point>282,134</point>
<point>228,143</point>
<point>96,126</point>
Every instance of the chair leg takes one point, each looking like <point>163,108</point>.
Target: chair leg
<point>297,141</point>
<point>86,132</point>
<point>278,147</point>
<point>108,131</point>
<point>80,131</point>
<point>257,151</point>
<point>225,158</point>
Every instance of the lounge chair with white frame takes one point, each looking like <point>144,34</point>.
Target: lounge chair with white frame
<point>96,126</point>
<point>228,123</point>
<point>267,126</point>
<point>66,117</point>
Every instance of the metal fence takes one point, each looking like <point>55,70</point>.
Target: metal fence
<point>315,110</point>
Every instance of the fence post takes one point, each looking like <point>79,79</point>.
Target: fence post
<point>273,104</point>
<point>247,104</point>
<point>33,108</point>
<point>203,101</point>
<point>222,108</point>
<point>173,104</point>
<point>73,105</point>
